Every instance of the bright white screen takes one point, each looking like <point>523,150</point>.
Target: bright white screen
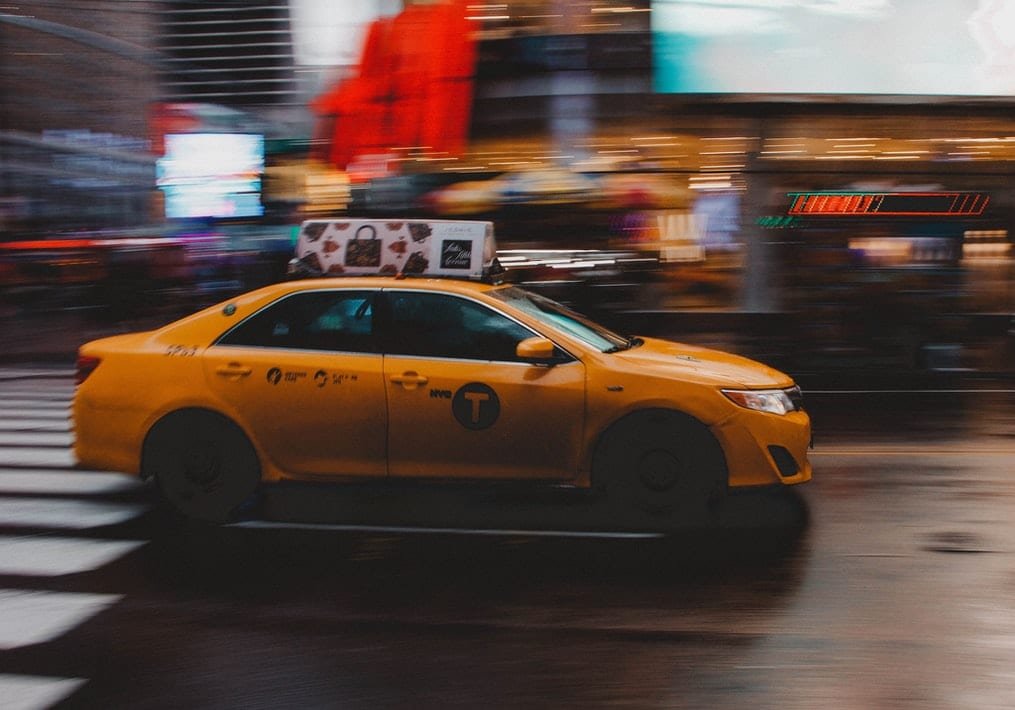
<point>212,175</point>
<point>887,47</point>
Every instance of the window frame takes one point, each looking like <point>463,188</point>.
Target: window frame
<point>374,294</point>
<point>382,315</point>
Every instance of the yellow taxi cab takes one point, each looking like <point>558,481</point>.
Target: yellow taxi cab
<point>398,378</point>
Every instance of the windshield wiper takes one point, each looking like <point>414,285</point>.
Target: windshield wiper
<point>628,344</point>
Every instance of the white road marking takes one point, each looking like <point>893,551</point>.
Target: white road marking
<point>35,430</point>
<point>44,458</point>
<point>35,412</point>
<point>51,556</point>
<point>27,438</point>
<point>43,480</point>
<point>29,692</point>
<point>20,403</point>
<point>36,395</point>
<point>923,391</point>
<point>35,425</point>
<point>448,531</point>
<point>31,617</point>
<point>65,514</point>
<point>931,448</point>
<point>48,373</point>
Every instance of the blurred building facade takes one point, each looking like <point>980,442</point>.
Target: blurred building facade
<point>567,146</point>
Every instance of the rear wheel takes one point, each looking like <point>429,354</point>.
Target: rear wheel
<point>661,467</point>
<point>203,464</point>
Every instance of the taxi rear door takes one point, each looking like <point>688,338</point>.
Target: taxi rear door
<point>460,402</point>
<point>305,377</point>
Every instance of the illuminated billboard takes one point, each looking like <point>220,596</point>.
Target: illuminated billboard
<point>888,204</point>
<point>212,175</point>
<point>851,47</point>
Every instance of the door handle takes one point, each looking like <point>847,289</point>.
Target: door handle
<point>233,370</point>
<point>409,380</point>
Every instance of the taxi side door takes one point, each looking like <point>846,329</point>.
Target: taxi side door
<point>304,376</point>
<point>461,404</point>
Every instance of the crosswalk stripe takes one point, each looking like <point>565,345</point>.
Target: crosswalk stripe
<point>47,395</point>
<point>67,482</point>
<point>42,480</point>
<point>35,452</point>
<point>36,438</point>
<point>46,458</point>
<point>65,514</point>
<point>22,403</point>
<point>14,373</point>
<point>35,412</point>
<point>34,425</point>
<point>52,556</point>
<point>28,617</point>
<point>29,692</point>
<point>38,387</point>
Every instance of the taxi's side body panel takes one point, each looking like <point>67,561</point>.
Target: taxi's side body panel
<point>136,385</point>
<point>143,377</point>
<point>478,419</point>
<point>552,434</point>
<point>314,413</point>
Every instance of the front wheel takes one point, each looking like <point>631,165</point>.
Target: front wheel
<point>203,464</point>
<point>661,468</point>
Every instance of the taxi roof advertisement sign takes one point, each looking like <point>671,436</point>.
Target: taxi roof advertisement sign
<point>418,248</point>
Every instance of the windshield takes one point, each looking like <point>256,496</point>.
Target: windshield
<point>563,318</point>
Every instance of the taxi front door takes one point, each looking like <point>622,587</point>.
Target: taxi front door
<point>461,405</point>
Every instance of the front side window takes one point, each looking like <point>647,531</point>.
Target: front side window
<point>340,321</point>
<point>557,315</point>
<point>439,325</point>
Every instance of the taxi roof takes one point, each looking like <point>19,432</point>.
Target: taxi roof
<point>422,283</point>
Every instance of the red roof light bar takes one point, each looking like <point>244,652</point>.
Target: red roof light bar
<point>888,204</point>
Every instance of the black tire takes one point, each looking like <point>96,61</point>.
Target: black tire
<point>660,468</point>
<point>203,464</point>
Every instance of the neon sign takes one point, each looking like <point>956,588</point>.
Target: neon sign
<point>888,204</point>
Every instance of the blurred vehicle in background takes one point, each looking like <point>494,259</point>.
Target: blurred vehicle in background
<point>118,277</point>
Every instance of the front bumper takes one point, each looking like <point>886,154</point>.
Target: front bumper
<point>764,449</point>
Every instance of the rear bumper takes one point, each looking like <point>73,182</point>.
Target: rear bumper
<point>106,439</point>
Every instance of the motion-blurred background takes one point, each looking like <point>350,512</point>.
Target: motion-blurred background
<point>824,185</point>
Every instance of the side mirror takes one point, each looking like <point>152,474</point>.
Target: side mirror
<point>535,349</point>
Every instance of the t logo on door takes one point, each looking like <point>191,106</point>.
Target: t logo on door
<point>475,406</point>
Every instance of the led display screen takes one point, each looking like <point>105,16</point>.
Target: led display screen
<point>212,175</point>
<point>853,47</point>
<point>892,204</point>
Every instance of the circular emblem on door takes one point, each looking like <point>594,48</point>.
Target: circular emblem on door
<point>274,375</point>
<point>476,406</point>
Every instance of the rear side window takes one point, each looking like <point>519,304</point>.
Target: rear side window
<point>340,321</point>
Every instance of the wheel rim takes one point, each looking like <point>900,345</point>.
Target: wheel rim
<point>204,465</point>
<point>659,470</point>
<point>202,468</point>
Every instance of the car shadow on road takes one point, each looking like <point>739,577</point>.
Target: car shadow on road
<point>761,536</point>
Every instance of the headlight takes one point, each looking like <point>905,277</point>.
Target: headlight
<point>771,401</point>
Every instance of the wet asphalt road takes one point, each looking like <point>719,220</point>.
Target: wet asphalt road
<point>898,593</point>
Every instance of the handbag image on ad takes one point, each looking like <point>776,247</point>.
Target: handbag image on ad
<point>364,251</point>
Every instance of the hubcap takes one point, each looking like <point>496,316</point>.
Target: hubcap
<point>202,467</point>
<point>659,470</point>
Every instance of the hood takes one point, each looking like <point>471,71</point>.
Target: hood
<point>680,360</point>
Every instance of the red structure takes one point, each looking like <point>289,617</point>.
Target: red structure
<point>413,86</point>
